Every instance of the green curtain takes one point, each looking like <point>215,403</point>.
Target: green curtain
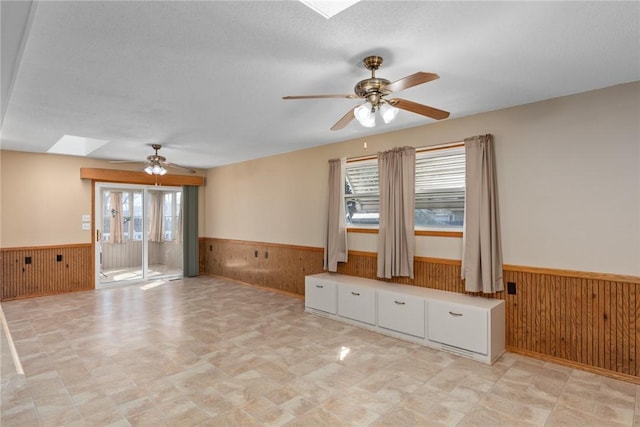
<point>191,264</point>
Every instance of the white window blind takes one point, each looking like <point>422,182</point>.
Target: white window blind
<point>440,188</point>
<point>362,199</point>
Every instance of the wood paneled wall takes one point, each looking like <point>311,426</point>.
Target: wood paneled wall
<point>590,321</point>
<point>122,255</point>
<point>45,275</point>
<point>281,267</point>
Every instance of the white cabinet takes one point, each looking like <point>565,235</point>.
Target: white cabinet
<point>357,303</point>
<point>320,294</point>
<point>462,324</point>
<point>401,313</point>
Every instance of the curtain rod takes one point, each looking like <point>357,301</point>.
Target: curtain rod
<point>418,150</point>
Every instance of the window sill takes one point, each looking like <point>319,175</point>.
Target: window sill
<point>432,233</point>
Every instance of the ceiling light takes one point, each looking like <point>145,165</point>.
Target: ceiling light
<point>365,115</point>
<point>328,8</point>
<point>155,169</point>
<point>388,112</point>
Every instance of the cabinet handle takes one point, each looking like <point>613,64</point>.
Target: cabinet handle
<point>319,286</point>
<point>455,314</point>
<point>355,293</point>
<point>400,302</point>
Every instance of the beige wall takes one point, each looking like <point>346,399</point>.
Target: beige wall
<point>42,198</point>
<point>568,171</point>
<point>568,176</point>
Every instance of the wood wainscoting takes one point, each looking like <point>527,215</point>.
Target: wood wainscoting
<point>45,275</point>
<point>281,267</point>
<point>586,320</point>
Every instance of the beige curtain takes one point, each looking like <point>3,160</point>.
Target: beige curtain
<point>396,242</point>
<point>336,245</point>
<point>481,248</point>
<point>155,216</point>
<point>116,232</point>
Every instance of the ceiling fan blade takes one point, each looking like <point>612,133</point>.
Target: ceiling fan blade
<point>411,81</point>
<point>345,96</point>
<point>173,165</point>
<point>125,161</point>
<point>414,107</point>
<point>345,120</point>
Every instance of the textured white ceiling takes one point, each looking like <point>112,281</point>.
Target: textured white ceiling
<point>205,79</point>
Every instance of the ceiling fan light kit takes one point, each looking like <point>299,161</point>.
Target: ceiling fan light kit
<point>388,112</point>
<point>365,115</point>
<point>155,170</point>
<point>374,89</point>
<point>157,164</point>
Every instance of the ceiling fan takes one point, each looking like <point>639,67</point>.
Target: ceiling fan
<point>374,90</point>
<point>157,164</point>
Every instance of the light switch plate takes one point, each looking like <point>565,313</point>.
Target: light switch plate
<point>86,218</point>
<point>86,226</point>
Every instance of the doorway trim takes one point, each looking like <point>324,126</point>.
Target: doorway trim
<point>99,175</point>
<point>98,225</point>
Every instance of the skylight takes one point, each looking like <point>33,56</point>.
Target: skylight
<point>328,8</point>
<point>76,145</point>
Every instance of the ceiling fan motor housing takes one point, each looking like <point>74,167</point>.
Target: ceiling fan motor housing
<point>373,89</point>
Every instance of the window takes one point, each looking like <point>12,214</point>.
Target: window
<point>137,216</point>
<point>440,187</point>
<point>440,176</point>
<point>362,199</point>
<point>106,214</point>
<point>171,209</point>
<point>131,214</point>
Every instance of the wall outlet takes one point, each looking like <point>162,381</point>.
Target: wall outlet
<point>59,258</point>
<point>86,226</point>
<point>511,288</point>
<point>86,218</point>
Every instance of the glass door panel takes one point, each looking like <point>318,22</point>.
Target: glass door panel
<point>165,233</point>
<point>138,233</point>
<point>121,245</point>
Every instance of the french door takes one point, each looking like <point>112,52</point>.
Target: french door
<point>138,233</point>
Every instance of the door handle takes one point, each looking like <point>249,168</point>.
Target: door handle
<point>98,235</point>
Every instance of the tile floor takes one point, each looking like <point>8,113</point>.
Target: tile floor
<point>208,352</point>
<point>113,275</point>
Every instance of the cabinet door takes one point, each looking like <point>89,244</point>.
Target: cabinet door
<point>402,313</point>
<point>320,294</point>
<point>357,303</point>
<point>461,326</point>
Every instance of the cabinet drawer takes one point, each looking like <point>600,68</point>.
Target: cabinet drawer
<point>357,303</point>
<point>320,294</point>
<point>402,313</point>
<point>461,326</point>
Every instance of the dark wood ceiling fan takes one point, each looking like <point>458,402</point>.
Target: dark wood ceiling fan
<point>374,91</point>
